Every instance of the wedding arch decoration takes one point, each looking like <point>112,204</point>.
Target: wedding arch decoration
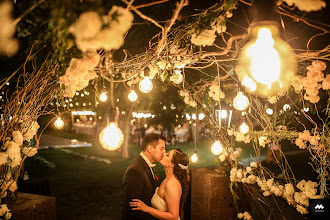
<point>201,44</point>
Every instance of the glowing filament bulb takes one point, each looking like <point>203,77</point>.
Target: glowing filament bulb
<point>132,96</point>
<point>216,148</point>
<point>103,97</point>
<point>244,128</point>
<point>265,60</point>
<point>145,85</point>
<point>59,123</point>
<point>194,158</point>
<point>111,137</point>
<point>241,102</point>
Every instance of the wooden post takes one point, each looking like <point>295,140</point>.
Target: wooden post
<point>211,198</point>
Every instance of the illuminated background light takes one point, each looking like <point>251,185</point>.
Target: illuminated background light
<point>145,85</point>
<point>59,123</point>
<point>194,158</point>
<point>103,97</point>
<point>244,128</point>
<point>111,137</point>
<point>269,111</point>
<point>266,64</point>
<point>241,102</point>
<point>216,148</point>
<point>132,96</point>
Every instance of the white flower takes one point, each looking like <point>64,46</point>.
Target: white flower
<point>245,216</point>
<point>13,187</point>
<point>17,137</point>
<point>248,169</point>
<point>267,193</point>
<point>8,45</point>
<point>262,141</point>
<point>28,133</point>
<point>272,99</point>
<point>3,209</point>
<point>216,93</point>
<point>87,26</point>
<point>301,198</point>
<point>307,5</point>
<point>326,83</point>
<point>301,209</point>
<point>305,136</point>
<point>251,179</point>
<point>8,215</point>
<point>3,158</point>
<point>14,153</point>
<point>314,140</point>
<point>317,65</point>
<point>230,132</point>
<point>276,190</point>
<point>300,143</point>
<point>222,157</point>
<point>297,83</point>
<point>30,151</point>
<point>253,164</point>
<point>205,38</point>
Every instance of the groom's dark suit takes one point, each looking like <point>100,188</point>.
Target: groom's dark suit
<point>138,183</point>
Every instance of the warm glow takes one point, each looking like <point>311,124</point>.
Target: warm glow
<point>177,78</point>
<point>216,148</point>
<point>103,97</point>
<point>266,64</point>
<point>265,61</point>
<point>244,128</point>
<point>111,137</point>
<point>132,96</point>
<point>59,123</point>
<point>269,111</point>
<point>194,158</point>
<point>241,102</point>
<point>145,85</point>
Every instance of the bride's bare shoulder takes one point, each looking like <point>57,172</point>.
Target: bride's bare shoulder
<point>173,182</point>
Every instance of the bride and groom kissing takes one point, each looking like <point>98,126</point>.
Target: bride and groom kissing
<point>142,199</point>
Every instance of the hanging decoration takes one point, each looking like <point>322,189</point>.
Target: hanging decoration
<point>103,97</point>
<point>177,77</point>
<point>59,123</point>
<point>111,137</point>
<point>266,64</point>
<point>132,96</point>
<point>145,84</point>
<point>241,102</point>
<point>244,128</point>
<point>194,157</point>
<point>216,148</point>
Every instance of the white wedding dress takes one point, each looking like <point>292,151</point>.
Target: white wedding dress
<point>159,203</point>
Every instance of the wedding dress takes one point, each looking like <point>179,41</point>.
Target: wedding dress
<point>158,203</point>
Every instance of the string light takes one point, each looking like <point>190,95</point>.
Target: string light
<point>103,97</point>
<point>59,123</point>
<point>216,148</point>
<point>241,102</point>
<point>111,137</point>
<point>145,85</point>
<point>266,64</point>
<point>244,128</point>
<point>194,157</point>
<point>132,96</point>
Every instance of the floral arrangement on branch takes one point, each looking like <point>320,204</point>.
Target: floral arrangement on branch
<point>34,91</point>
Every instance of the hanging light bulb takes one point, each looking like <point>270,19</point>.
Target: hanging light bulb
<point>103,97</point>
<point>244,128</point>
<point>111,137</point>
<point>266,64</point>
<point>216,148</point>
<point>132,96</point>
<point>194,157</point>
<point>59,123</point>
<point>241,102</point>
<point>145,85</point>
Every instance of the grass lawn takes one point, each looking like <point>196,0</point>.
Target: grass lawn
<point>90,189</point>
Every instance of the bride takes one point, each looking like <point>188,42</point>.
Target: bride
<point>170,196</point>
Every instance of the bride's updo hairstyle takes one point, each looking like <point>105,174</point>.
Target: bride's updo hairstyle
<point>181,172</point>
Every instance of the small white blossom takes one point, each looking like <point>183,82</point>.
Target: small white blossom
<point>301,209</point>
<point>253,164</point>
<point>205,38</point>
<point>306,5</point>
<point>30,151</point>
<point>17,137</point>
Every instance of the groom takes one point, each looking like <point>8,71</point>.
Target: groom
<point>139,179</point>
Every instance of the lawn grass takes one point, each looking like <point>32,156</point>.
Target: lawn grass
<point>89,189</point>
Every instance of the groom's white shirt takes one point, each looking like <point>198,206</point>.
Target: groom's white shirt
<point>149,163</point>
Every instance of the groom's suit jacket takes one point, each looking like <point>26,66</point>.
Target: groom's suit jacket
<point>138,183</point>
